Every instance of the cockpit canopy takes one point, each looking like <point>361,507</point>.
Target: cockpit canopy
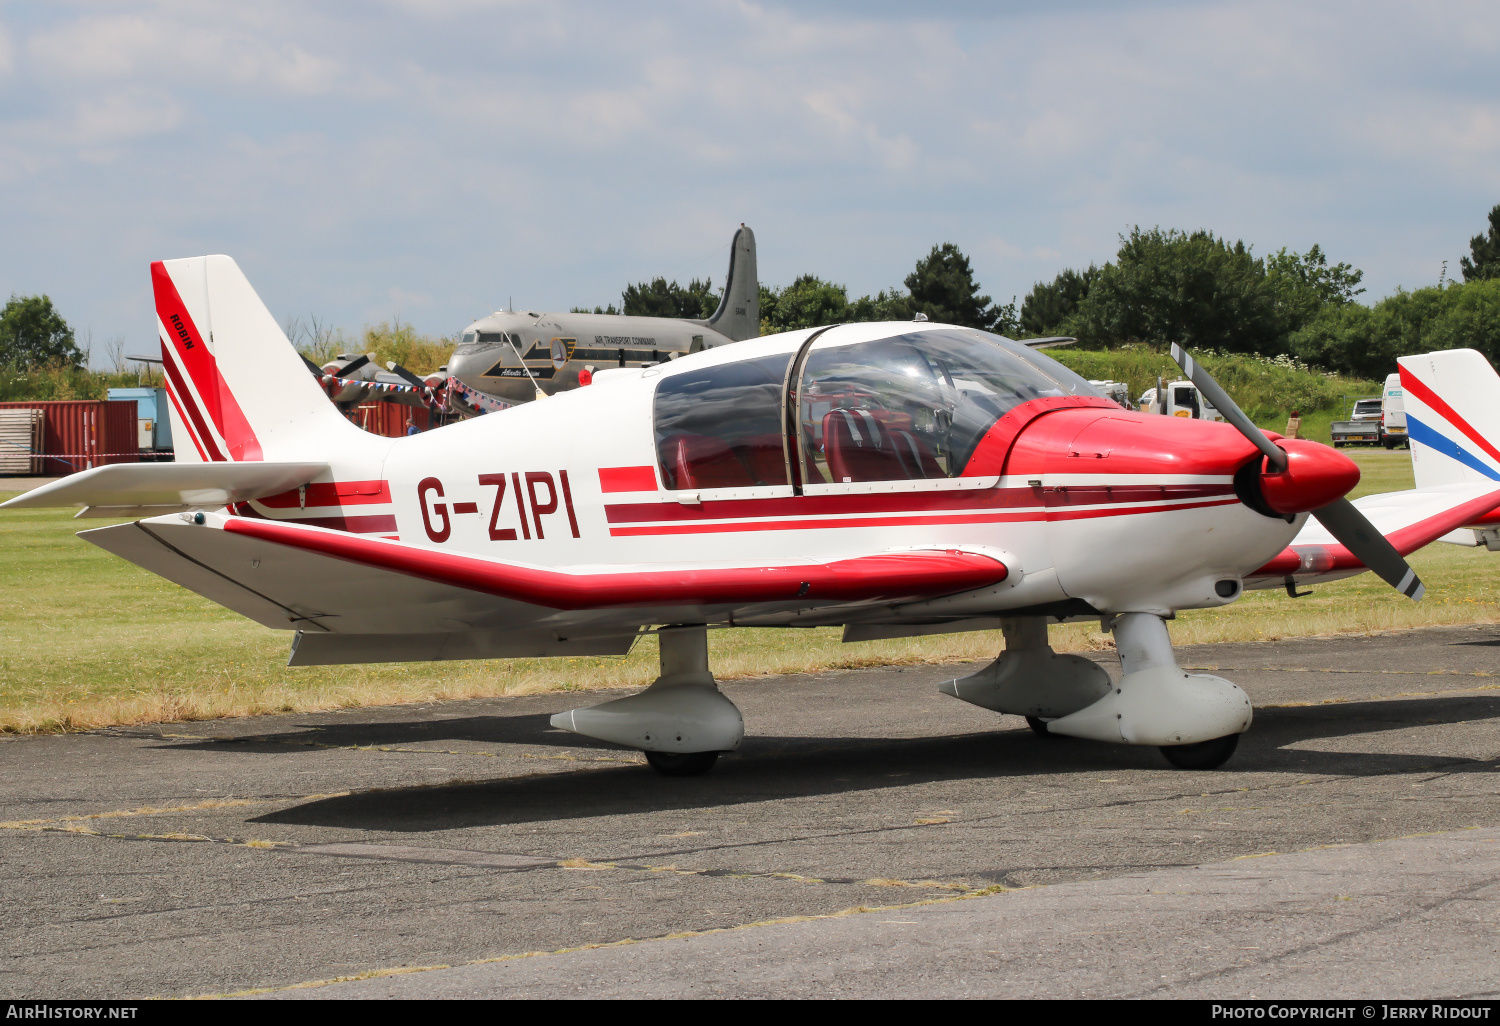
<point>912,406</point>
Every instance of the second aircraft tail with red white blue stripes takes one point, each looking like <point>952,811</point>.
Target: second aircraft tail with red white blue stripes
<point>1452,402</point>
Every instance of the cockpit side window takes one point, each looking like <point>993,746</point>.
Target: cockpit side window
<point>720,427</point>
<point>914,407</point>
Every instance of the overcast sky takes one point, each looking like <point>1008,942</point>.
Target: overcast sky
<point>430,159</point>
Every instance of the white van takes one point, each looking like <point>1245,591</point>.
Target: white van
<point>1182,399</point>
<point>1393,414</point>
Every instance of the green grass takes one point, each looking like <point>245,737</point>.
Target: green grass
<point>89,639</point>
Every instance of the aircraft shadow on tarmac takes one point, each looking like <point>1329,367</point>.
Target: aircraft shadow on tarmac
<point>768,768</point>
<point>531,729</point>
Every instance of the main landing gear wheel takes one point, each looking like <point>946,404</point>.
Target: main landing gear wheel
<point>689,764</point>
<point>1205,755</point>
<point>1039,727</point>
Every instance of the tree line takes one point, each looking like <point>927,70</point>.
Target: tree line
<point>1201,291</point>
<point>1164,286</point>
<point>941,286</point>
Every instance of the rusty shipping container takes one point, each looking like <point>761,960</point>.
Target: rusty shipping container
<point>390,419</point>
<point>81,433</point>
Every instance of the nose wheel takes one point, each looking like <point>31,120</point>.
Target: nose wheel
<point>1205,755</point>
<point>688,764</point>
<point>1039,727</point>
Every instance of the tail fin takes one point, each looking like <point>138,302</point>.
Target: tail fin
<point>1452,404</point>
<point>238,389</point>
<point>738,315</point>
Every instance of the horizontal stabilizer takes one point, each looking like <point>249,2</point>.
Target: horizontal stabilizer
<point>1409,519</point>
<point>165,487</point>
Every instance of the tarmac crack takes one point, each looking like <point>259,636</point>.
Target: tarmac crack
<point>678,935</point>
<point>1326,942</point>
<point>1018,813</point>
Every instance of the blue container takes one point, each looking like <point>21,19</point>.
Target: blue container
<point>154,425</point>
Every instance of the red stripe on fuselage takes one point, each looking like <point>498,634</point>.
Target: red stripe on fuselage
<point>910,502</point>
<point>337,493</point>
<point>627,479</point>
<point>187,342</point>
<point>372,524</point>
<point>1034,515</point>
<point>367,524</point>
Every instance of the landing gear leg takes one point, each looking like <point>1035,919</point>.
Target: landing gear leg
<point>682,721</point>
<point>1031,680</point>
<point>1195,718</point>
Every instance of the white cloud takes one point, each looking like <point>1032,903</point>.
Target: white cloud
<point>461,150</point>
<point>124,115</point>
<point>169,49</point>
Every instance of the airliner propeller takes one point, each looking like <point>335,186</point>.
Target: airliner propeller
<point>404,374</point>
<point>352,366</point>
<point>1297,479</point>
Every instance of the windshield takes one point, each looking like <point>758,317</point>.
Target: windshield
<point>915,406</point>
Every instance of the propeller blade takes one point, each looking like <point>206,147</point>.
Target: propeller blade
<point>316,370</point>
<point>1225,405</point>
<point>1370,547</point>
<point>353,365</point>
<point>1346,523</point>
<point>405,375</point>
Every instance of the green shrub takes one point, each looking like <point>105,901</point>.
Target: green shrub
<point>59,381</point>
<point>1265,388</point>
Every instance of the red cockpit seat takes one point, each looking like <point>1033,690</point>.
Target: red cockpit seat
<point>698,461</point>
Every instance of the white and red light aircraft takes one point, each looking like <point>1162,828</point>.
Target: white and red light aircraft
<point>894,478</point>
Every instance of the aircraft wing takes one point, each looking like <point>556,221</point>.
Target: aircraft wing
<point>128,489</point>
<point>293,576</point>
<point>1410,519</point>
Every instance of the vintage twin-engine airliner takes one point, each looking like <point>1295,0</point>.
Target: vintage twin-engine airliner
<point>514,356</point>
<point>894,478</point>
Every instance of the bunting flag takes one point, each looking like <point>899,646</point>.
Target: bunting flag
<point>377,386</point>
<point>478,400</point>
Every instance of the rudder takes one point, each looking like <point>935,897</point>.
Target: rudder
<point>238,389</point>
<point>738,315</point>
